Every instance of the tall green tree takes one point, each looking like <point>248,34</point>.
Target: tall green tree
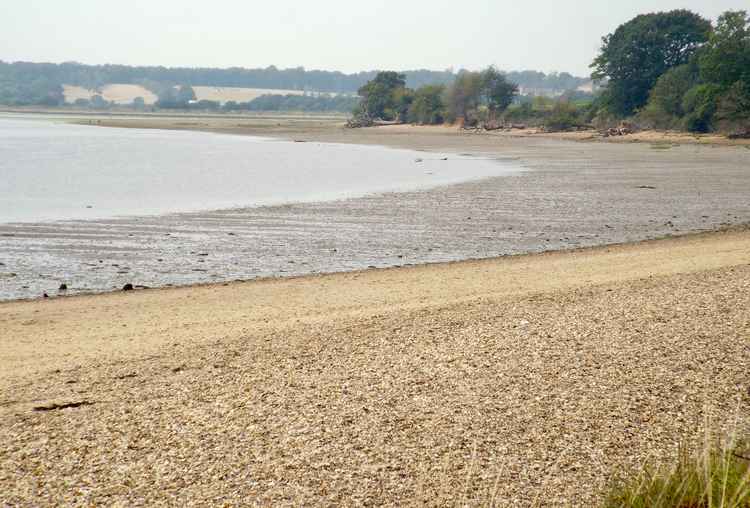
<point>641,50</point>
<point>427,107</point>
<point>726,58</point>
<point>463,97</point>
<point>496,91</point>
<point>665,105</point>
<point>381,97</point>
<point>479,94</point>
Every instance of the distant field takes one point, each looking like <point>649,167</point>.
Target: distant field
<point>124,94</point>
<point>120,94</point>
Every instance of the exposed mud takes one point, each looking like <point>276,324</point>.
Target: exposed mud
<point>576,194</point>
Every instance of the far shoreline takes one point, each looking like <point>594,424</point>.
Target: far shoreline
<point>302,123</point>
<point>705,235</point>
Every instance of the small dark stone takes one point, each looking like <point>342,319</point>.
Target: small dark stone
<point>45,295</point>
<point>63,287</point>
<point>128,287</point>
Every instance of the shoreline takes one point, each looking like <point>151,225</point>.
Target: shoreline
<point>385,385</point>
<point>222,123</point>
<point>734,245</point>
<point>576,195</point>
<point>697,235</point>
<point>225,124</point>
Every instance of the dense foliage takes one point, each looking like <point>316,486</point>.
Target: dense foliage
<point>479,96</point>
<point>677,71</point>
<point>383,96</point>
<point>473,96</point>
<point>304,103</point>
<point>641,50</point>
<point>428,107</point>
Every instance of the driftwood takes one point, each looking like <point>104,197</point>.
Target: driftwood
<point>365,121</point>
<point>624,129</point>
<point>741,134</point>
<point>489,127</point>
<point>359,122</point>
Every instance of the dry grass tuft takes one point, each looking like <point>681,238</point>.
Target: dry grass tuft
<point>718,476</point>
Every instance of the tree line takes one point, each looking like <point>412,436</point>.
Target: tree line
<point>471,97</point>
<point>677,70</point>
<point>668,70</point>
<point>25,83</point>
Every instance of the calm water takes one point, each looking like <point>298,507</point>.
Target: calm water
<point>56,171</point>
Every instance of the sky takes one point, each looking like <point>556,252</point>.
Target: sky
<point>345,35</point>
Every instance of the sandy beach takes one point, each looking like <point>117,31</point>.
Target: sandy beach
<point>516,380</point>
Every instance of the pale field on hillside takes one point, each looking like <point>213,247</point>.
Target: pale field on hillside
<point>119,93</point>
<point>124,94</point>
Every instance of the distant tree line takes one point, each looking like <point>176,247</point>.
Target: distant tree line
<point>471,97</point>
<point>669,70</point>
<point>677,70</point>
<point>24,83</point>
<point>306,103</point>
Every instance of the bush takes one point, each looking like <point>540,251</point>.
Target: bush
<point>733,110</point>
<point>563,117</point>
<point>699,105</point>
<point>665,106</point>
<point>427,108</point>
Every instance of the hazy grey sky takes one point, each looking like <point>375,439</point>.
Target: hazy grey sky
<point>347,35</point>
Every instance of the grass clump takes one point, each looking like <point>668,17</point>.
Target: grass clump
<point>718,477</point>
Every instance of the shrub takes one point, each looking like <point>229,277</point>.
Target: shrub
<point>564,116</point>
<point>427,108</point>
<point>665,106</point>
<point>699,105</point>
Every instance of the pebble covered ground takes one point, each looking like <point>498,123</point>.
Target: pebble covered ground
<point>520,400</point>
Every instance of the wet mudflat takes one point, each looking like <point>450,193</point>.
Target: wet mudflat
<point>586,195</point>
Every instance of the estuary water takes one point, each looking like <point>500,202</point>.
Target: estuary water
<point>56,171</point>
